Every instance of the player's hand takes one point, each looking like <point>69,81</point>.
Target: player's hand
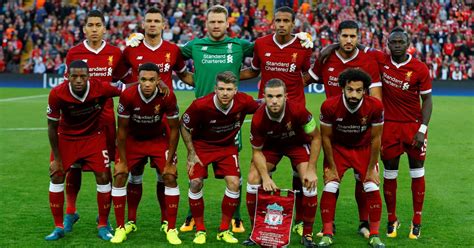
<point>56,167</point>
<point>418,140</point>
<point>134,39</point>
<point>310,181</point>
<point>193,159</point>
<point>269,185</point>
<point>305,39</point>
<point>164,89</point>
<point>372,176</point>
<point>120,168</point>
<point>170,169</point>
<point>330,175</point>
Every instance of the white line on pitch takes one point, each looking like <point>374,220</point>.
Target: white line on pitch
<point>21,98</point>
<point>24,129</point>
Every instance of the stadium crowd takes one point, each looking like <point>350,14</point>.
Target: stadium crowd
<point>440,31</point>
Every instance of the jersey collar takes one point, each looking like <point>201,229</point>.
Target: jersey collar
<point>224,111</point>
<point>279,119</point>
<point>401,64</point>
<point>86,44</point>
<point>343,60</point>
<point>347,106</point>
<point>147,100</point>
<point>153,48</point>
<point>281,46</point>
<point>83,98</point>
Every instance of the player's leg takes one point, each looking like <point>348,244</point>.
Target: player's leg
<point>417,173</point>
<point>104,189</point>
<point>56,203</point>
<point>73,185</point>
<point>228,207</point>
<point>390,175</point>
<point>237,223</point>
<point>309,207</point>
<point>297,186</point>
<point>361,200</point>
<point>196,204</point>
<point>119,199</point>
<point>134,191</point>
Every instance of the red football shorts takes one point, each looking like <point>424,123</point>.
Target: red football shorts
<point>90,152</point>
<point>345,158</point>
<point>138,152</point>
<point>397,138</point>
<point>225,162</point>
<point>296,154</point>
<point>107,119</point>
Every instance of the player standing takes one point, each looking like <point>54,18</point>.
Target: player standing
<point>210,125</point>
<point>351,129</point>
<point>76,136</point>
<point>141,137</point>
<point>284,128</point>
<point>103,60</point>
<point>405,80</point>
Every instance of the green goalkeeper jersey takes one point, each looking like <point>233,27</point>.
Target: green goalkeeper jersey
<point>212,57</point>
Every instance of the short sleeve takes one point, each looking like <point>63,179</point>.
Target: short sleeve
<point>187,50</point>
<point>256,59</point>
<point>377,116</point>
<point>123,110</point>
<point>172,111</point>
<point>53,111</point>
<point>247,48</point>
<point>190,117</point>
<point>252,104</point>
<point>326,115</point>
<point>257,138</point>
<point>425,81</point>
<point>307,60</point>
<point>179,66</point>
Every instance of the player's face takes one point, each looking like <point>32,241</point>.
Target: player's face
<point>153,24</point>
<point>78,79</point>
<point>225,92</point>
<point>353,92</point>
<point>148,82</point>
<point>94,29</point>
<point>283,23</point>
<point>275,99</point>
<point>398,44</point>
<point>216,25</point>
<point>348,39</point>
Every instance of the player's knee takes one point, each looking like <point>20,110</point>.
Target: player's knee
<point>390,174</point>
<point>417,172</point>
<point>56,187</point>
<point>104,188</point>
<point>170,181</point>
<point>56,178</point>
<point>233,183</point>
<point>254,176</point>
<point>252,188</point>
<point>102,178</point>
<point>310,193</point>
<point>195,185</point>
<point>331,187</point>
<point>135,179</point>
<point>120,180</point>
<point>416,164</point>
<point>370,187</point>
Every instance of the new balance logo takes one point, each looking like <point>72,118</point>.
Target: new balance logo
<point>268,54</point>
<point>212,121</point>
<point>139,57</point>
<point>331,69</point>
<point>85,60</point>
<point>136,109</point>
<point>204,48</point>
<point>386,67</point>
<point>339,119</point>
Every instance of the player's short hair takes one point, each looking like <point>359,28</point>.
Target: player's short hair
<point>286,9</point>
<point>275,83</point>
<point>348,24</point>
<point>217,9</point>
<point>149,67</point>
<point>227,77</point>
<point>155,10</point>
<point>78,64</point>
<point>352,75</point>
<point>399,30</point>
<point>96,13</point>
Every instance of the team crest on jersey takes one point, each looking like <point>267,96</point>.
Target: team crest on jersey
<point>229,48</point>
<point>288,126</point>
<point>274,215</point>
<point>120,108</point>
<point>168,57</point>
<point>294,56</point>
<point>111,60</point>
<point>49,110</point>
<point>363,120</point>
<point>408,75</point>
<point>186,118</point>
<point>157,109</point>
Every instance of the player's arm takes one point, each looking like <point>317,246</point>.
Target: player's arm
<point>186,77</point>
<point>311,182</point>
<point>330,173</point>
<point>426,110</point>
<point>376,92</point>
<point>122,133</point>
<point>248,73</point>
<point>376,137</point>
<point>326,51</point>
<point>193,158</point>
<point>261,165</point>
<point>56,166</point>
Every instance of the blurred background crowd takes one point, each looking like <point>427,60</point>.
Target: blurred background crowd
<point>37,34</point>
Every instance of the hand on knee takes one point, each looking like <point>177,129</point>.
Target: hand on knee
<point>195,185</point>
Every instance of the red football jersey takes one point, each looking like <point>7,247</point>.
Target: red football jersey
<point>145,115</point>
<point>266,131</point>
<point>351,128</point>
<point>286,62</point>
<point>102,64</point>
<point>212,126</point>
<point>165,55</point>
<point>78,116</point>
<point>402,86</point>
<point>329,72</point>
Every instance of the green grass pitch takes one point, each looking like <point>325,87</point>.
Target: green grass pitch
<point>448,214</point>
